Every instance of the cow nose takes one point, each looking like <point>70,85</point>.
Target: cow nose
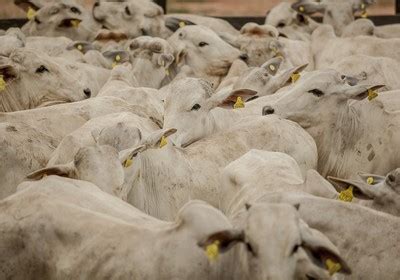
<point>96,4</point>
<point>268,110</point>
<point>244,57</point>
<point>87,92</point>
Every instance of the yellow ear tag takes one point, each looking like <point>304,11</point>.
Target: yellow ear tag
<point>128,163</point>
<point>79,47</point>
<point>364,14</point>
<point>163,141</point>
<point>31,13</point>
<point>212,251</point>
<point>370,180</point>
<point>372,94</point>
<point>2,83</point>
<point>75,23</point>
<point>346,195</point>
<point>272,67</point>
<point>117,58</point>
<point>332,266</point>
<point>182,24</point>
<point>166,72</point>
<point>239,103</point>
<point>301,9</point>
<point>295,77</point>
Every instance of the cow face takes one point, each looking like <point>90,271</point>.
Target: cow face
<point>310,101</point>
<point>276,244</point>
<point>33,80</point>
<point>134,18</point>
<point>188,104</point>
<point>203,51</point>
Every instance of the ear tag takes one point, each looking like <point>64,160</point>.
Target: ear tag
<point>272,67</point>
<point>128,163</point>
<point>166,72</point>
<point>212,251</point>
<point>239,103</point>
<point>31,13</point>
<point>2,83</point>
<point>117,58</point>
<point>182,24</point>
<point>301,9</point>
<point>370,181</point>
<point>364,14</point>
<point>163,142</point>
<point>333,267</point>
<point>75,23</point>
<point>372,94</point>
<point>346,195</point>
<point>79,47</point>
<point>295,77</point>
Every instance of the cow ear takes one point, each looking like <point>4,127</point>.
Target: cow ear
<point>174,24</point>
<point>66,170</point>
<point>153,10</point>
<point>127,156</point>
<point>360,92</point>
<point>371,179</point>
<point>361,190</point>
<point>222,241</point>
<point>272,66</point>
<point>158,139</point>
<point>323,250</point>
<point>309,8</point>
<point>165,60</point>
<point>8,72</point>
<point>227,99</point>
<point>291,75</point>
<point>180,56</point>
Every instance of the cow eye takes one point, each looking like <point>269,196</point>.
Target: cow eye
<point>196,107</point>
<point>203,44</point>
<point>281,25</point>
<point>42,69</point>
<point>316,92</point>
<point>75,10</point>
<point>295,248</point>
<point>127,11</point>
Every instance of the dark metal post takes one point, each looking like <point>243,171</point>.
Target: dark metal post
<point>397,7</point>
<point>163,4</point>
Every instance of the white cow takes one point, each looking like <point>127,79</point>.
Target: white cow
<point>35,80</point>
<point>113,237</point>
<point>63,18</point>
<point>262,42</point>
<point>192,107</point>
<point>370,70</point>
<point>120,130</point>
<point>60,120</point>
<point>344,136</point>
<point>161,180</point>
<point>374,191</point>
<point>327,48</point>
<point>200,48</point>
<point>261,172</point>
<point>353,229</point>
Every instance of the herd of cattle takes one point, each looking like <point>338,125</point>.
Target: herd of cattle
<point>138,145</point>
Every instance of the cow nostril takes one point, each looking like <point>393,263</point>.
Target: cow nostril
<point>268,110</point>
<point>244,56</point>
<point>96,4</point>
<point>87,92</point>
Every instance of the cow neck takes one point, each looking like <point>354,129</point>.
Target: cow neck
<point>11,101</point>
<point>149,189</point>
<point>339,139</point>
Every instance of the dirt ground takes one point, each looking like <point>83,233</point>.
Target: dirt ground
<point>208,7</point>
